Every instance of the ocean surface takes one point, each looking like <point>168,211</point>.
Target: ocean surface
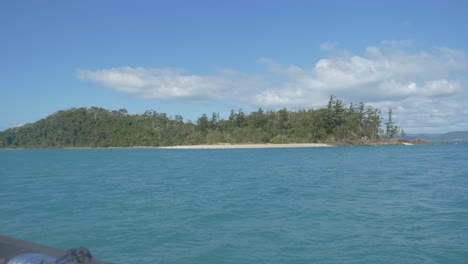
<point>395,204</point>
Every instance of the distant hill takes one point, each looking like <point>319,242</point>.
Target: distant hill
<point>425,137</point>
<point>456,135</point>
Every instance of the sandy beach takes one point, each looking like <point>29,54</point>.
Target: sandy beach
<point>214,146</point>
<point>249,146</point>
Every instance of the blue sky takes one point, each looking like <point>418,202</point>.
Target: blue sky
<point>193,57</point>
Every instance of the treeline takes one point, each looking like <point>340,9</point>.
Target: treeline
<point>98,127</point>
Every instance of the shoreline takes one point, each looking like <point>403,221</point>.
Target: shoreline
<point>245,146</point>
<point>207,146</point>
<point>249,146</point>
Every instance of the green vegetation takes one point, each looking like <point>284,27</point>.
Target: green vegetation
<point>392,130</point>
<point>98,127</point>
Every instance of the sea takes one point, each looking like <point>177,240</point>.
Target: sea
<point>388,204</point>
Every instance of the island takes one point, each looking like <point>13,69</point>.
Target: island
<point>95,127</point>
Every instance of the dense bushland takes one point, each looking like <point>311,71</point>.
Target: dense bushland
<point>98,127</point>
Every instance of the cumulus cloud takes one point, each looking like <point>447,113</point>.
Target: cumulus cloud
<point>424,87</point>
<point>163,84</point>
<point>375,76</point>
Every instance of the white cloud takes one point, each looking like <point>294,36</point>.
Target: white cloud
<point>327,46</point>
<point>396,43</point>
<point>424,88</point>
<point>164,84</point>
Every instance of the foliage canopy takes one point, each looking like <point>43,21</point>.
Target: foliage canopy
<point>98,127</point>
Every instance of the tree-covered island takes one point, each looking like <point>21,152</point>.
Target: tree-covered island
<point>98,127</point>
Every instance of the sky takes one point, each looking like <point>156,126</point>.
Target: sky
<point>191,58</point>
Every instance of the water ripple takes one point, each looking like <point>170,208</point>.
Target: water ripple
<point>333,205</point>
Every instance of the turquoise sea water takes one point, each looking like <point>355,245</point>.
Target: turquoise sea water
<point>399,204</point>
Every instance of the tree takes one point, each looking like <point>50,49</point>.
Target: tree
<point>402,133</point>
<point>203,124</point>
<point>391,130</point>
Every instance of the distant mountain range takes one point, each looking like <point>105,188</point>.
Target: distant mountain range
<point>455,135</point>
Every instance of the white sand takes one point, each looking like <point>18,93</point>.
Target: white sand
<point>250,146</point>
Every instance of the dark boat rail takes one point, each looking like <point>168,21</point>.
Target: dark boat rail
<point>13,250</point>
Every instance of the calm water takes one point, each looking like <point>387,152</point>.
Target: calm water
<point>402,204</point>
